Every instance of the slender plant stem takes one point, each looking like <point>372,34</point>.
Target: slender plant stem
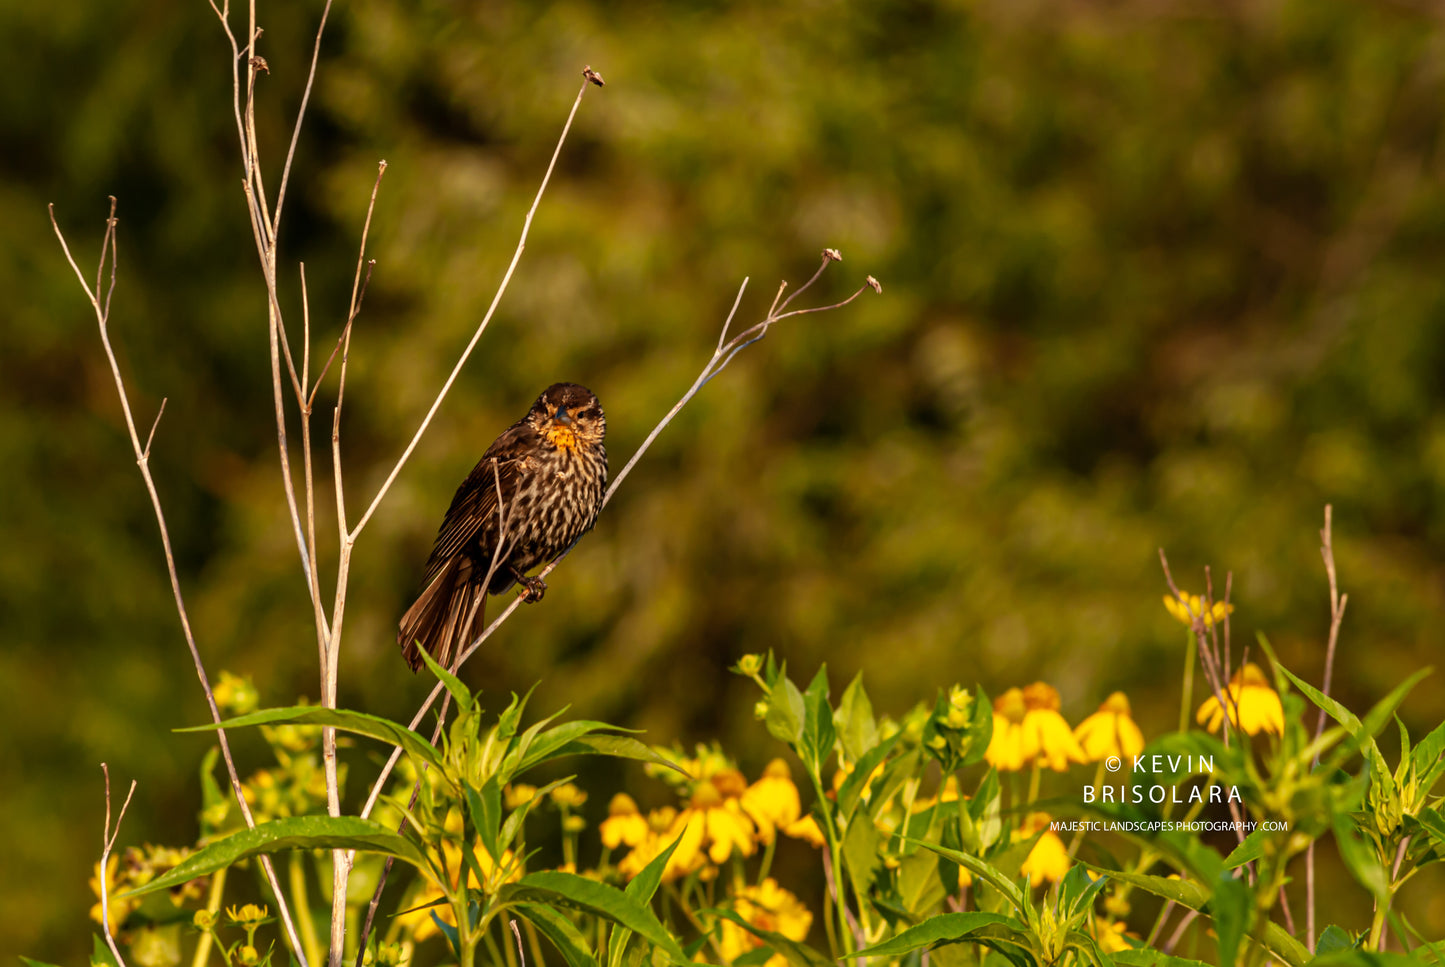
<point>142,456</point>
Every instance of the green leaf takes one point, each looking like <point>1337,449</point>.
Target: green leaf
<point>983,870</point>
<point>569,889</point>
<point>1334,938</point>
<point>641,888</point>
<point>28,962</point>
<point>100,952</point>
<point>944,928</point>
<point>453,684</point>
<point>1148,957</point>
<point>533,749</point>
<point>1077,890</point>
<point>818,731</point>
<point>513,825</point>
<point>1189,894</point>
<point>299,832</point>
<point>563,934</point>
<point>1251,849</point>
<point>1362,732</point>
<point>1360,859</point>
<point>484,807</point>
<point>854,722</point>
<point>798,954</point>
<point>1428,757</point>
<point>617,746</point>
<point>358,723</point>
<point>1434,825</point>
<point>1231,907</point>
<point>1365,958</point>
<point>860,853</point>
<point>851,792</point>
<point>784,720</point>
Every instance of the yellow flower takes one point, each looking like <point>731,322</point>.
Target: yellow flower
<point>807,830</point>
<point>1259,708</point>
<point>1110,935</point>
<point>1188,607</point>
<point>1110,731</point>
<point>772,801</point>
<point>624,824</point>
<point>1028,730</point>
<point>1005,749</point>
<point>1048,861</point>
<point>235,695</point>
<point>710,828</point>
<point>1046,735</point>
<point>518,794</point>
<point>248,915</point>
<point>769,907</point>
<point>714,822</point>
<point>569,795</point>
<point>118,909</point>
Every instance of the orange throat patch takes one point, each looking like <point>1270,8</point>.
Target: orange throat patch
<point>562,437</point>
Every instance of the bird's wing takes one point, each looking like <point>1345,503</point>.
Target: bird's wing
<point>474,507</point>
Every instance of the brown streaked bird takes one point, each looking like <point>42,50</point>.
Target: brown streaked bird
<point>550,471</point>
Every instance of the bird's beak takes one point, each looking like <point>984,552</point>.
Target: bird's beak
<point>561,416</point>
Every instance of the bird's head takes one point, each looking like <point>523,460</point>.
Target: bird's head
<point>568,414</point>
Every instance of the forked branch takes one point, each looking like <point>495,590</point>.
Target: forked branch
<point>142,458</point>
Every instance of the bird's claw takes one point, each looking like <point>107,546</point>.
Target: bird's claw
<point>532,589</point>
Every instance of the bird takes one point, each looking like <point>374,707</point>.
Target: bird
<point>535,491</point>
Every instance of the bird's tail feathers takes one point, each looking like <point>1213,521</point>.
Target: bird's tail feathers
<point>443,616</point>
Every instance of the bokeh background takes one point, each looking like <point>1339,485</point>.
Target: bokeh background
<point>1155,275</point>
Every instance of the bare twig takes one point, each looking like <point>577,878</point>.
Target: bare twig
<point>1338,602</point>
<point>521,954</point>
<point>481,327</point>
<point>300,116</point>
<point>108,843</point>
<point>143,461</point>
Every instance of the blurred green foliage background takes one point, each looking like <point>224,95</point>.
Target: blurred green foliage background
<point>1155,275</point>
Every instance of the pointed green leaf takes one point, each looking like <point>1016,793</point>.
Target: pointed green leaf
<point>617,746</point>
<point>1251,849</point>
<point>1360,859</point>
<point>641,888</point>
<point>569,889</point>
<point>1148,957</point>
<point>358,723</point>
<point>299,832</point>
<point>981,869</point>
<point>563,934</point>
<point>941,929</point>
<point>453,684</point>
<point>786,712</point>
<point>798,954</point>
<point>484,808</point>
<point>854,722</point>
<point>100,952</point>
<point>1334,938</point>
<point>818,731</point>
<point>1232,909</point>
<point>851,791</point>
<point>1189,894</point>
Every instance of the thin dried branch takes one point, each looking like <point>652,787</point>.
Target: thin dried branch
<point>107,844</point>
<point>143,461</point>
<point>1338,602</point>
<point>300,116</point>
<point>482,326</point>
